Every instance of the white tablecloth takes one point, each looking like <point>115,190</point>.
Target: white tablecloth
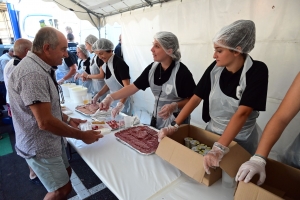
<point>130,175</point>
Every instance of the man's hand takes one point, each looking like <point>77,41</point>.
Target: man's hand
<point>74,122</point>
<point>91,136</point>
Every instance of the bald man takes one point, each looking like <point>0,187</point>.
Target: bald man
<point>39,123</point>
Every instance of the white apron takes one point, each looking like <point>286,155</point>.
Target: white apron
<point>88,83</point>
<point>164,94</point>
<point>223,107</point>
<point>97,83</point>
<point>114,85</point>
<point>62,71</point>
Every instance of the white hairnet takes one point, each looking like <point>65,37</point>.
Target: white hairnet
<point>83,49</point>
<point>240,33</point>
<point>103,44</point>
<point>91,39</point>
<point>169,41</point>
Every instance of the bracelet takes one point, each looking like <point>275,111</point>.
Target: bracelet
<point>68,120</point>
<point>261,156</point>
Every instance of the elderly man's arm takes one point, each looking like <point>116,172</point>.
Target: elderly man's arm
<point>46,121</point>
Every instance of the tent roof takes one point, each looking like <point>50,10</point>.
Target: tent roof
<point>96,10</point>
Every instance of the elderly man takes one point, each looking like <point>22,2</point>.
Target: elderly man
<point>38,120</point>
<point>3,61</point>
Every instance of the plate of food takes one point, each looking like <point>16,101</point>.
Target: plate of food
<point>101,126</point>
<point>87,109</point>
<point>142,139</point>
<point>115,124</point>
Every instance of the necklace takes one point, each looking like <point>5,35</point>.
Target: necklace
<point>160,72</point>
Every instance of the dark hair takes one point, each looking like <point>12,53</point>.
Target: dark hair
<point>70,36</point>
<point>108,51</point>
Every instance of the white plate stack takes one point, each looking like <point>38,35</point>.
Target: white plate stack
<point>76,94</point>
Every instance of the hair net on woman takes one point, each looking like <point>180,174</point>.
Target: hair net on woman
<point>240,33</point>
<point>169,41</point>
<point>91,39</point>
<point>83,49</point>
<point>103,44</point>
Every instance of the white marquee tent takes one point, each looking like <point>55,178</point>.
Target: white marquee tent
<point>195,22</point>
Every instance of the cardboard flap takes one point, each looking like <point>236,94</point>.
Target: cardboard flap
<point>182,158</point>
<point>250,191</point>
<point>232,161</point>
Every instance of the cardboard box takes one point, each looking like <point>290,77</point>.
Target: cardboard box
<point>282,182</point>
<point>172,149</point>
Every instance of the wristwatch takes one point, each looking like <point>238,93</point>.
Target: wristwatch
<point>173,123</point>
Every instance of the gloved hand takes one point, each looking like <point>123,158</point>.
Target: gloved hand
<point>95,99</point>
<point>106,102</point>
<point>169,130</point>
<point>214,156</point>
<point>117,109</point>
<point>256,165</point>
<point>167,110</point>
<point>61,81</point>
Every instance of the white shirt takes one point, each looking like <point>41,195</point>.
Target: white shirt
<point>8,69</point>
<point>3,61</point>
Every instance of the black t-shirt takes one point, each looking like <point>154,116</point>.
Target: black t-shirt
<point>86,63</point>
<point>71,60</point>
<point>72,47</point>
<point>185,83</point>
<point>121,70</point>
<point>98,61</point>
<point>254,96</point>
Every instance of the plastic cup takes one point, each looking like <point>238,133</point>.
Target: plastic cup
<point>87,98</point>
<point>127,121</point>
<point>227,181</point>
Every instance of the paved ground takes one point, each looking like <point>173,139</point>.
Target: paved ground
<point>15,184</point>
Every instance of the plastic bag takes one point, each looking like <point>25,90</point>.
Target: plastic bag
<point>85,126</point>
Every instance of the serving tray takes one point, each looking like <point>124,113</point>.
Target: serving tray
<point>141,135</point>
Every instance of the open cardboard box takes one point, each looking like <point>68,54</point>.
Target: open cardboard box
<point>172,149</point>
<point>282,182</point>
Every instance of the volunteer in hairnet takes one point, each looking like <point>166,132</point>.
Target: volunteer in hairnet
<point>95,64</point>
<point>287,110</point>
<point>170,81</point>
<point>116,74</point>
<point>234,90</point>
<point>83,66</point>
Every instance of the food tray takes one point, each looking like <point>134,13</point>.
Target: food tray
<point>88,115</point>
<point>145,139</point>
<point>83,113</point>
<point>146,154</point>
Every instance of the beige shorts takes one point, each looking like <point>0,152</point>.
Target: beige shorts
<point>51,171</point>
